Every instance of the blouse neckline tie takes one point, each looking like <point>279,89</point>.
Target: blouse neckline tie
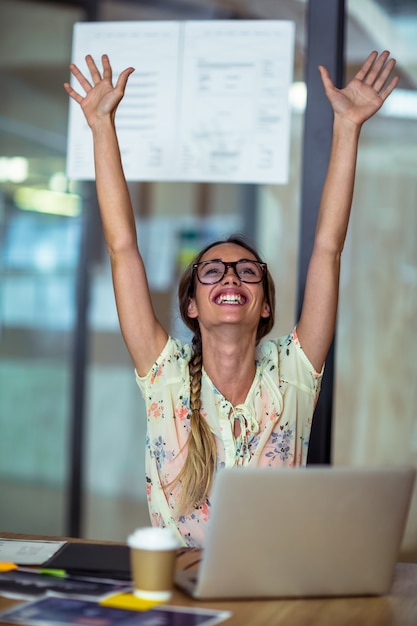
<point>248,426</point>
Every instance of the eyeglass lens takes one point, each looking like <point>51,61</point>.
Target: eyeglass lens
<point>213,271</point>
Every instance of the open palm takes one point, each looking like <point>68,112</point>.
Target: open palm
<point>101,97</point>
<point>364,95</point>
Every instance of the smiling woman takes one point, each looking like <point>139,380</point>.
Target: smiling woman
<point>227,399</point>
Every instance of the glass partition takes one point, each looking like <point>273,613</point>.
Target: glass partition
<point>376,372</point>
<point>39,250</point>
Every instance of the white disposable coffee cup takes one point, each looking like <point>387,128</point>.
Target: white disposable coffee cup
<point>152,557</point>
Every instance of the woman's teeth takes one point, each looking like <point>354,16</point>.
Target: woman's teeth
<point>229,299</point>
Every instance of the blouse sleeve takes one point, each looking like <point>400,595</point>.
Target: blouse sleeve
<point>295,367</point>
<point>170,367</point>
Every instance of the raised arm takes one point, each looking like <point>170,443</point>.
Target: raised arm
<point>143,334</point>
<point>352,106</point>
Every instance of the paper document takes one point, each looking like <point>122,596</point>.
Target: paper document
<point>28,552</point>
<point>208,100</point>
<point>71,611</point>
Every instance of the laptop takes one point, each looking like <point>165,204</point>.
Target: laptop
<point>306,532</point>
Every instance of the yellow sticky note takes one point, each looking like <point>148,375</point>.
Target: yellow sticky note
<point>7,567</point>
<point>129,601</point>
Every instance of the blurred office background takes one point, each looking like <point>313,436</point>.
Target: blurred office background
<point>42,217</point>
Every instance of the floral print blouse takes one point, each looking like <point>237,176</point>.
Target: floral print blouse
<point>275,423</point>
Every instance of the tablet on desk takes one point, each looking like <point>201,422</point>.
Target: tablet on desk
<point>98,560</point>
<point>307,532</point>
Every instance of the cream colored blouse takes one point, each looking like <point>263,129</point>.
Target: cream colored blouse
<point>275,423</point>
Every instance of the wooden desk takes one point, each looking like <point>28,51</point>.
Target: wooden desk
<point>399,608</point>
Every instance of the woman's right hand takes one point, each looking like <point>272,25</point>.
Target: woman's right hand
<point>101,98</point>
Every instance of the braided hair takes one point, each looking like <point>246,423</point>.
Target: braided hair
<point>196,476</point>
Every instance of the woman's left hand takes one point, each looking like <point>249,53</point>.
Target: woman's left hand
<point>364,95</point>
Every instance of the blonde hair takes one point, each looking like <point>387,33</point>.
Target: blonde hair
<point>196,475</point>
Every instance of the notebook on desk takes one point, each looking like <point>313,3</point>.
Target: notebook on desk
<point>316,531</point>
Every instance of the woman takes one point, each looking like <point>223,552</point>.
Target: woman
<point>225,400</point>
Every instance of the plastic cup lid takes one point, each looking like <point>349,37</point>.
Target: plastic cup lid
<point>153,538</point>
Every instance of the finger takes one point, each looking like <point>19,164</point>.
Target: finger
<point>123,78</point>
<point>80,77</point>
<point>376,68</point>
<point>95,74</point>
<point>72,93</point>
<point>325,78</point>
<point>384,75</point>
<point>389,88</point>
<point>360,75</point>
<point>107,70</point>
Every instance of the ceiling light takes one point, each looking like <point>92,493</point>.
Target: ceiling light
<point>45,201</point>
<point>13,169</point>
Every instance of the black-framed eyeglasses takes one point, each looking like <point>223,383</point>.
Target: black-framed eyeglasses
<point>212,272</point>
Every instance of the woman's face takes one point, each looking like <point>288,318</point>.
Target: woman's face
<point>231,300</point>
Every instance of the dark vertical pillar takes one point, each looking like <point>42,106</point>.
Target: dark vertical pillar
<point>89,230</point>
<point>89,243</point>
<point>249,203</point>
<point>325,46</point>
